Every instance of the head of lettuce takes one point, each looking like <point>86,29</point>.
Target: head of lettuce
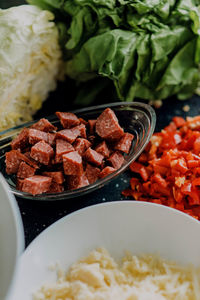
<point>148,49</point>
<point>30,61</point>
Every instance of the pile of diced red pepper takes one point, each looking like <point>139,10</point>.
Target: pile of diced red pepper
<point>168,171</point>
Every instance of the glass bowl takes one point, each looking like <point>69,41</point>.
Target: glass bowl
<point>136,118</point>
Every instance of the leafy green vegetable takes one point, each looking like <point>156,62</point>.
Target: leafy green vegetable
<point>149,49</point>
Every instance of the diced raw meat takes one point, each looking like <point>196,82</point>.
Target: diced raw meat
<point>30,160</point>
<point>55,188</point>
<point>36,184</point>
<point>116,160</point>
<point>25,170</point>
<point>107,126</point>
<point>62,147</point>
<point>102,148</point>
<point>124,144</point>
<point>21,141</point>
<point>92,124</point>
<point>19,184</point>
<point>51,138</point>
<point>106,171</point>
<point>56,176</point>
<point>36,136</point>
<point>93,157</point>
<point>72,163</point>
<point>82,130</point>
<point>76,182</point>
<point>82,121</point>
<point>67,119</point>
<point>42,152</point>
<point>81,145</point>
<point>13,160</point>
<point>68,135</point>
<point>44,125</point>
<point>92,173</point>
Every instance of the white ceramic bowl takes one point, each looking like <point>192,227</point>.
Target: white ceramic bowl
<point>11,238</point>
<point>118,226</point>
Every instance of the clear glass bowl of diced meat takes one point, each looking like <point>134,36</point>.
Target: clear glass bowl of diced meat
<point>72,153</point>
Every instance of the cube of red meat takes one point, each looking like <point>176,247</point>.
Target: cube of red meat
<point>36,136</point>
<point>72,163</point>
<point>92,124</point>
<point>116,160</point>
<point>92,173</point>
<point>102,148</point>
<point>57,176</point>
<point>55,188</point>
<point>76,182</point>
<point>80,130</point>
<point>68,135</point>
<point>106,171</point>
<point>36,184</point>
<point>124,144</point>
<point>13,160</point>
<point>42,152</point>
<point>44,125</point>
<point>51,138</point>
<point>21,141</point>
<point>68,120</point>
<point>25,170</point>
<point>94,157</point>
<point>81,145</point>
<point>62,147</point>
<point>107,126</point>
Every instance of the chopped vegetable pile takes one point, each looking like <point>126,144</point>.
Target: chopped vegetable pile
<point>77,153</point>
<point>169,168</point>
<point>145,49</point>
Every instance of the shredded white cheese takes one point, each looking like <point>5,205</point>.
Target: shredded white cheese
<point>146,277</point>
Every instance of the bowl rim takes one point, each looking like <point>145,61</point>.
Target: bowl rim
<point>145,108</point>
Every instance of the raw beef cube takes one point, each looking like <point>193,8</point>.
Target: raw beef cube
<point>29,160</point>
<point>76,182</point>
<point>56,176</point>
<point>51,138</point>
<point>42,152</point>
<point>44,125</point>
<point>13,160</point>
<point>102,148</point>
<point>19,184</point>
<point>62,147</point>
<point>124,144</point>
<point>25,170</point>
<point>93,156</point>
<point>116,160</point>
<point>92,124</point>
<point>36,184</point>
<point>68,135</point>
<point>72,163</point>
<point>81,130</point>
<point>92,173</point>
<point>67,119</point>
<point>36,136</point>
<point>21,141</point>
<point>106,171</point>
<point>81,145</point>
<point>55,188</point>
<point>107,126</point>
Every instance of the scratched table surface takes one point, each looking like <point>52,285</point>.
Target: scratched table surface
<point>37,215</point>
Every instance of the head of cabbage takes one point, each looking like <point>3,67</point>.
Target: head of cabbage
<point>30,62</point>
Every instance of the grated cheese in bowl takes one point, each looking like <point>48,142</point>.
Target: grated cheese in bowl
<point>144,277</point>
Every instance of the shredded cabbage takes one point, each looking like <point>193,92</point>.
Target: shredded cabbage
<point>30,62</point>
